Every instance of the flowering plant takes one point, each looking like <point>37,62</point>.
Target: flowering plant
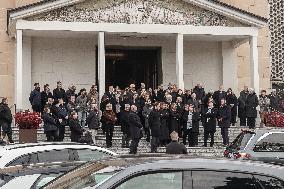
<point>275,119</point>
<point>28,120</point>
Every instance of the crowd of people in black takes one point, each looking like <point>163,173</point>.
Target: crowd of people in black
<point>141,111</point>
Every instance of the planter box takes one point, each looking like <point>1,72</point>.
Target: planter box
<point>27,135</point>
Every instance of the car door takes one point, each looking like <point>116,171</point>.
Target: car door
<point>223,180</point>
<point>146,180</point>
<point>23,182</point>
<point>269,147</point>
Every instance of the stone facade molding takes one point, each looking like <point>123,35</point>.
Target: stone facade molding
<point>171,12</point>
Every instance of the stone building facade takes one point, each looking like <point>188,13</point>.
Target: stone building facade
<point>203,51</point>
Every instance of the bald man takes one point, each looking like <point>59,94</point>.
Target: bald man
<point>175,147</point>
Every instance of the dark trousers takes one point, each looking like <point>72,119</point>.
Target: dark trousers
<point>7,131</point>
<point>109,134</point>
<point>191,136</point>
<point>206,136</point>
<point>125,141</point>
<point>225,135</point>
<point>147,133</point>
<point>133,145</point>
<point>154,144</point>
<point>243,121</point>
<point>51,135</point>
<point>251,122</point>
<point>233,119</point>
<point>61,133</point>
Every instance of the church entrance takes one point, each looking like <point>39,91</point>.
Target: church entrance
<point>133,65</point>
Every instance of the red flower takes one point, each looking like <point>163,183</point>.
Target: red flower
<point>28,120</point>
<point>275,119</point>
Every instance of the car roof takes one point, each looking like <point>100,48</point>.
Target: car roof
<point>8,153</point>
<point>183,163</point>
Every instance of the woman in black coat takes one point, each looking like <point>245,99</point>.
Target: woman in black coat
<point>175,120</point>
<point>210,121</point>
<point>232,101</point>
<point>155,127</point>
<point>50,128</point>
<point>165,127</point>
<point>75,127</point>
<point>251,104</point>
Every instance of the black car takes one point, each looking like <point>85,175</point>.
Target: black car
<point>171,172</point>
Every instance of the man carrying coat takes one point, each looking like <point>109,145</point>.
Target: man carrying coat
<point>135,128</point>
<point>224,120</point>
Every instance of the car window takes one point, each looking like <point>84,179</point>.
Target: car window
<point>88,154</point>
<point>269,182</point>
<point>25,159</point>
<point>271,143</point>
<point>241,140</point>
<point>54,156</point>
<point>223,180</point>
<point>168,180</point>
<point>44,179</point>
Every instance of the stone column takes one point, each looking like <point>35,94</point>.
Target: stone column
<point>254,64</point>
<point>179,61</point>
<point>101,63</point>
<point>27,70</point>
<point>19,71</point>
<point>230,77</point>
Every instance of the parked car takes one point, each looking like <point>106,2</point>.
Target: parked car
<point>26,154</point>
<point>171,172</point>
<point>259,144</point>
<point>32,177</point>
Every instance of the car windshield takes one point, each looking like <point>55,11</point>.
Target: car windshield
<point>273,142</point>
<point>45,178</point>
<point>241,141</point>
<point>89,174</point>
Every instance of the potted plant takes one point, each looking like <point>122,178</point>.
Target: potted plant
<point>28,123</point>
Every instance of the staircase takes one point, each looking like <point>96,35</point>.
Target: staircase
<point>144,146</point>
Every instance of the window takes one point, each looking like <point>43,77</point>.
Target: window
<point>222,180</point>
<point>269,182</point>
<point>169,180</point>
<point>88,154</point>
<point>44,179</point>
<point>241,140</point>
<point>273,142</point>
<point>54,156</point>
<point>25,160</point>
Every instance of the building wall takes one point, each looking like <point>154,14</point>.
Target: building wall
<point>7,53</point>
<point>259,7</point>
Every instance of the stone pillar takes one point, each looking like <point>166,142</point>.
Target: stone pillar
<point>230,77</point>
<point>19,71</point>
<point>179,61</point>
<point>101,63</point>
<point>254,64</point>
<point>27,70</point>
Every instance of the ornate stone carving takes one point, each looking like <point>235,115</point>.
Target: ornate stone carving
<point>173,12</point>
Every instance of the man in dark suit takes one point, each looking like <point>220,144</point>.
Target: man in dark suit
<point>135,128</point>
<point>175,147</point>
<point>224,121</point>
<point>59,92</point>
